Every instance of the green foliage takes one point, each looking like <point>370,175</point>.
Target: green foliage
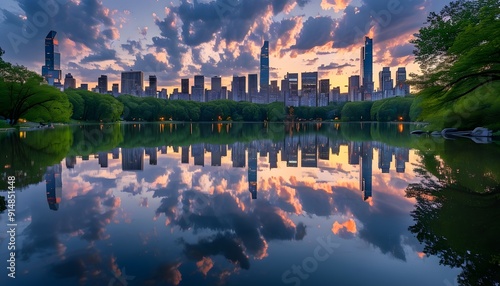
<point>392,109</point>
<point>329,112</point>
<point>28,156</point>
<point>23,95</point>
<point>357,111</point>
<point>449,216</point>
<point>91,106</point>
<point>458,52</point>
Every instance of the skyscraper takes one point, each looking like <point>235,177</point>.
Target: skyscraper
<point>216,85</point>
<point>309,89</point>
<point>102,84</point>
<point>132,83</point>
<point>353,88</point>
<point>252,88</point>
<point>401,88</point>
<point>51,71</point>
<point>293,89</point>
<point>324,92</point>
<point>238,88</point>
<point>366,68</point>
<point>185,86</point>
<point>69,81</point>
<point>386,82</point>
<point>153,86</point>
<point>115,89</point>
<point>264,69</point>
<point>198,90</point>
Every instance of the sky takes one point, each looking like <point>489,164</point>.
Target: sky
<point>182,38</point>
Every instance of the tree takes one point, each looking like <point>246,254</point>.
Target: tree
<point>458,52</point>
<point>23,94</point>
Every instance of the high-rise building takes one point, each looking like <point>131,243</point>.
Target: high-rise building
<point>309,89</point>
<point>223,92</point>
<point>69,81</point>
<point>335,94</point>
<point>163,93</point>
<point>324,86</point>
<point>198,90</point>
<point>153,86</point>
<point>274,92</point>
<point>132,83</point>
<point>324,92</point>
<point>115,89</point>
<point>102,84</point>
<point>84,86</point>
<point>185,85</point>
<point>238,88</point>
<point>386,82</point>
<point>292,90</point>
<point>252,88</point>
<point>264,69</point>
<point>366,68</point>
<point>401,88</point>
<point>216,84</point>
<point>51,71</point>
<point>353,88</point>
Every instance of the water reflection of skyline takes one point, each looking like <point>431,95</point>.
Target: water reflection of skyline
<point>313,148</point>
<point>228,214</point>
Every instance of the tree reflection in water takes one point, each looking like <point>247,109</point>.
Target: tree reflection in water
<point>456,223</point>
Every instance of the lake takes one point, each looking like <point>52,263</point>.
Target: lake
<point>249,204</point>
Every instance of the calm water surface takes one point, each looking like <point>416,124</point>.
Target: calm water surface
<point>250,204</point>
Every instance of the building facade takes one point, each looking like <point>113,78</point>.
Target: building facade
<point>51,71</point>
<point>69,81</point>
<point>132,83</point>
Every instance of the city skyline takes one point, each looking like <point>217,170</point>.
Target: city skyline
<point>208,37</point>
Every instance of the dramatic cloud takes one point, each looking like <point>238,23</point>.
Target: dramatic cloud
<point>388,18</point>
<point>132,47</point>
<point>333,66</point>
<point>103,55</point>
<point>85,22</point>
<point>283,33</point>
<point>403,50</point>
<point>169,41</point>
<point>311,62</point>
<point>336,5</point>
<point>315,33</point>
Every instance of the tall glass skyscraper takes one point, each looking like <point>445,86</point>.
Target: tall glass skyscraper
<point>366,69</point>
<point>51,71</point>
<point>264,68</point>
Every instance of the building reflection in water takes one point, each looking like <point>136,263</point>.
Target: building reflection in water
<point>132,159</point>
<point>252,170</point>
<point>312,148</point>
<point>53,182</point>
<point>361,153</point>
